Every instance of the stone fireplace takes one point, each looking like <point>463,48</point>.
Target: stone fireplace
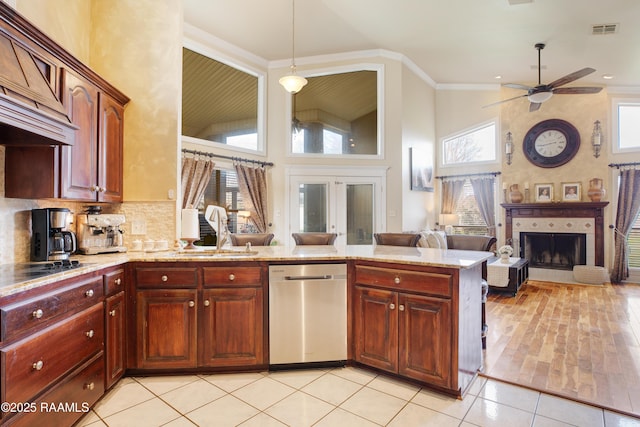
<point>556,236</point>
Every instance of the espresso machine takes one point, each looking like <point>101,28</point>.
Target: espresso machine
<point>50,241</point>
<point>100,233</point>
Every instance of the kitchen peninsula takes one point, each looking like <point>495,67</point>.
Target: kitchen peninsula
<point>413,313</point>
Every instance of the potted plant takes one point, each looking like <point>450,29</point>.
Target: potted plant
<point>505,252</point>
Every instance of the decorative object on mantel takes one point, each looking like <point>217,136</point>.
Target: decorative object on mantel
<point>292,82</point>
<point>544,193</point>
<point>527,197</point>
<point>505,252</point>
<point>571,191</point>
<point>514,194</point>
<point>508,148</point>
<point>596,139</point>
<point>596,189</point>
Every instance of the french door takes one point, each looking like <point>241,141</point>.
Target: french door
<point>350,206</point>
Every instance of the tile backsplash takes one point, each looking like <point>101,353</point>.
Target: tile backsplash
<point>158,220</point>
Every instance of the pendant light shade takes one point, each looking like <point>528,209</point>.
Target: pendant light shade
<point>292,83</point>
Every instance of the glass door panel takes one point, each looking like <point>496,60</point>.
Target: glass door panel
<point>359,214</point>
<point>313,205</point>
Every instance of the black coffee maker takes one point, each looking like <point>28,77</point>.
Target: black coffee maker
<point>49,240</point>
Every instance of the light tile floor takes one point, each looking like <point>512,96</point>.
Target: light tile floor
<point>331,397</point>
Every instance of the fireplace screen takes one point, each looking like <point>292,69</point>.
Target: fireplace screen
<point>560,251</point>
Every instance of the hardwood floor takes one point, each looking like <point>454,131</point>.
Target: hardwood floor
<point>575,341</point>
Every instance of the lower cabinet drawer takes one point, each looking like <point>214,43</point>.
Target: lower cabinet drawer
<point>429,283</point>
<point>68,401</point>
<point>31,365</point>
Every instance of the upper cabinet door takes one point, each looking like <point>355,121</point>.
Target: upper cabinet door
<point>79,163</point>
<point>110,147</point>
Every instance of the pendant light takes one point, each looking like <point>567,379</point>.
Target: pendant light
<point>292,83</point>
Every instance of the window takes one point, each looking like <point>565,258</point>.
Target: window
<point>476,145</point>
<point>470,219</point>
<point>626,125</point>
<point>222,190</point>
<point>634,245</point>
<point>222,102</point>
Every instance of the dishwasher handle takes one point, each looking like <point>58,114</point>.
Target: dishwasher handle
<point>319,277</point>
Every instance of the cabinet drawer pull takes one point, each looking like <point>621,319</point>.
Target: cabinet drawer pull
<point>396,280</point>
<point>206,303</point>
<point>90,333</point>
<point>89,293</point>
<point>38,314</point>
<point>38,365</point>
<point>164,278</point>
<point>112,313</point>
<point>232,277</point>
<point>89,386</point>
<point>192,304</point>
<point>392,306</point>
<point>118,281</point>
<point>401,307</point>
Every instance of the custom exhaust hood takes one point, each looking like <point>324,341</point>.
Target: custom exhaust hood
<point>30,111</point>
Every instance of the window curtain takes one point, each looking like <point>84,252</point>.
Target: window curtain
<point>195,177</point>
<point>451,191</point>
<point>628,208</point>
<point>252,182</point>
<point>483,190</point>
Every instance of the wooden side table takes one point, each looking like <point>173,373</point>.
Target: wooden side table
<point>518,275</point>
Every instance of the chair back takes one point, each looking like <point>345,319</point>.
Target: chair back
<point>256,239</point>
<point>397,239</point>
<point>314,238</point>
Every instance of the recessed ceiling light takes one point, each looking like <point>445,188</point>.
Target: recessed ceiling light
<point>607,76</point>
<point>498,77</point>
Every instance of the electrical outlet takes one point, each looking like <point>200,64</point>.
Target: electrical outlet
<point>138,227</point>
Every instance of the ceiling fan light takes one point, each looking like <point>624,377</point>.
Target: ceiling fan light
<point>292,83</point>
<point>540,97</point>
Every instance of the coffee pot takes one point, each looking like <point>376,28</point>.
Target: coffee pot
<point>50,241</point>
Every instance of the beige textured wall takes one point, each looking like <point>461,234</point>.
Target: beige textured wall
<point>137,46</point>
<point>418,130</point>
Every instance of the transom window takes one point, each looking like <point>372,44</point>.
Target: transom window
<point>475,145</point>
<point>626,124</point>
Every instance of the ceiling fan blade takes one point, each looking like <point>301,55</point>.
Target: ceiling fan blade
<point>517,86</point>
<point>576,90</point>
<point>503,101</point>
<point>571,77</point>
<point>534,106</point>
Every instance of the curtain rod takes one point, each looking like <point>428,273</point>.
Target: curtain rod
<point>469,174</point>
<point>237,159</point>
<point>621,165</point>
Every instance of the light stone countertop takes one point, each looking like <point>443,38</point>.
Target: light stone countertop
<point>11,282</point>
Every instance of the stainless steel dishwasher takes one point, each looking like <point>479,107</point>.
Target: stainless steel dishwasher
<point>307,314</point>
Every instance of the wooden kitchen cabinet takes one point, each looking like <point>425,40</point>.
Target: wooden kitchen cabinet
<point>200,316</point>
<point>166,328</point>
<point>91,169</point>
<point>403,333</point>
<point>403,322</point>
<point>115,338</point>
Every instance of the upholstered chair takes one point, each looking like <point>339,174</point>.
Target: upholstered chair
<point>397,239</point>
<point>314,238</point>
<point>256,239</point>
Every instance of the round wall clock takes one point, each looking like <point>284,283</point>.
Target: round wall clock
<point>551,143</point>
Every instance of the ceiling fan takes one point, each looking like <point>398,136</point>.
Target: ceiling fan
<point>543,92</point>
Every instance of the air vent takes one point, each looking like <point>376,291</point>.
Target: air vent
<point>602,29</point>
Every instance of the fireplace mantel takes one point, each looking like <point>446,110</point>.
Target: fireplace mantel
<point>593,210</point>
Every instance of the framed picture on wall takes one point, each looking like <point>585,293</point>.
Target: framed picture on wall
<point>571,191</point>
<point>544,192</point>
<point>421,160</point>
